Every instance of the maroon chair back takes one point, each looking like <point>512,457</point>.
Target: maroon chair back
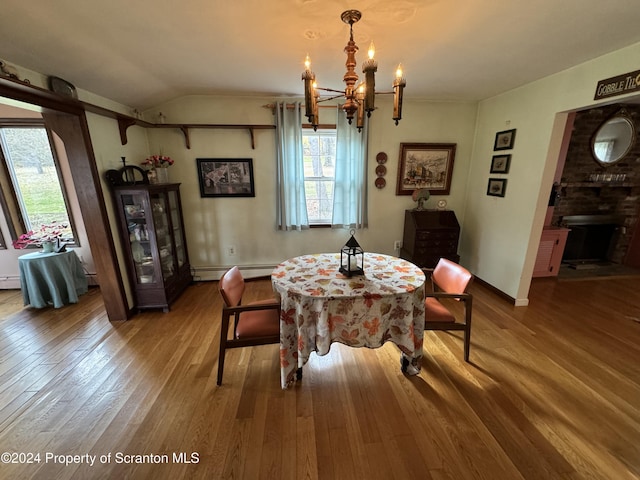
<point>451,277</point>
<point>231,287</point>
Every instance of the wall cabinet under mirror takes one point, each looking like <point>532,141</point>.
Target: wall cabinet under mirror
<point>154,242</point>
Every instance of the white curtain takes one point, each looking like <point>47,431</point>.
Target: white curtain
<point>350,191</point>
<point>291,201</point>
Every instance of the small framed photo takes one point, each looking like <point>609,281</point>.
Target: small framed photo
<point>226,177</point>
<point>497,187</point>
<point>504,140</point>
<point>425,165</point>
<point>500,163</point>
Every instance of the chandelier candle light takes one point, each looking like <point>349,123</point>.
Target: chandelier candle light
<point>360,98</point>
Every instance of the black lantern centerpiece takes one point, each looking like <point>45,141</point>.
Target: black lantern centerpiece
<point>352,258</point>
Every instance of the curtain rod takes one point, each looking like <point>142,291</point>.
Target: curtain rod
<point>291,106</point>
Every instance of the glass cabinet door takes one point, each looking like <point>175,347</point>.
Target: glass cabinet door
<point>176,223</point>
<point>160,211</point>
<point>139,239</point>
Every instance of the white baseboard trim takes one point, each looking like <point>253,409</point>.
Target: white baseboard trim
<point>212,273</point>
<point>10,283</point>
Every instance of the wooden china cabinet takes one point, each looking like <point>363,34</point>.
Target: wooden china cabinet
<point>154,242</point>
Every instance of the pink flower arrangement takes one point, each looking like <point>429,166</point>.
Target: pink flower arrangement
<point>157,161</point>
<point>46,233</point>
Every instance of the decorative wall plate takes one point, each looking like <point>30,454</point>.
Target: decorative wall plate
<point>381,158</point>
<point>380,182</point>
<point>442,204</point>
<point>381,170</point>
<point>61,86</point>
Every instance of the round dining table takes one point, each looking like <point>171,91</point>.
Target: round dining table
<point>320,305</point>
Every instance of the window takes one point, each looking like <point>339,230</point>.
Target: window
<point>319,150</point>
<point>31,183</point>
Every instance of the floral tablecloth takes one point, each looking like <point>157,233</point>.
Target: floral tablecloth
<point>320,306</point>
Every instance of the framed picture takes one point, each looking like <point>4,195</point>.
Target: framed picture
<point>497,187</point>
<point>504,140</point>
<point>226,177</point>
<point>425,165</point>
<point>500,163</point>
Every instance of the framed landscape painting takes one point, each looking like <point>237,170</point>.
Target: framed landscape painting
<point>226,177</point>
<point>425,165</point>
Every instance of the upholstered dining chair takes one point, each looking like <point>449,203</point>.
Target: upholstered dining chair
<point>449,281</point>
<point>255,323</point>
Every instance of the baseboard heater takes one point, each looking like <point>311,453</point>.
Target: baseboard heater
<point>208,273</point>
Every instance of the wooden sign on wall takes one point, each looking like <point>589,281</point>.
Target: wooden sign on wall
<point>619,85</point>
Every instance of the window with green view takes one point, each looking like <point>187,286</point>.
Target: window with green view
<point>35,197</point>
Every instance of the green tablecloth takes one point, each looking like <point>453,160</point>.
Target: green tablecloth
<point>51,278</point>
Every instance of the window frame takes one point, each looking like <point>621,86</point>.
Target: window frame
<point>319,128</point>
<point>9,203</point>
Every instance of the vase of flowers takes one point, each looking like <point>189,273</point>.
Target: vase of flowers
<point>47,236</point>
<point>157,167</point>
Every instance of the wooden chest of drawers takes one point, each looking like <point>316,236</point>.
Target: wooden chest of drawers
<point>430,235</point>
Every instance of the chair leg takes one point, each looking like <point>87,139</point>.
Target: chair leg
<point>467,341</point>
<point>221,363</point>
<point>467,329</point>
<point>224,331</point>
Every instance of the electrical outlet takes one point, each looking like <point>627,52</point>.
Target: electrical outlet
<point>231,250</point>
<point>397,245</point>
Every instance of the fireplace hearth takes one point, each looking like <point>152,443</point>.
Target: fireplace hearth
<point>591,238</point>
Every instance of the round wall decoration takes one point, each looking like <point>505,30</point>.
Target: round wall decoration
<point>381,170</point>
<point>381,158</point>
<point>61,86</point>
<point>380,182</point>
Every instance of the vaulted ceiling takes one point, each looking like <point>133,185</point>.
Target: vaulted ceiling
<point>144,52</point>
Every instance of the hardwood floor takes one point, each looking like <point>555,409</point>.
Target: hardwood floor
<point>553,393</point>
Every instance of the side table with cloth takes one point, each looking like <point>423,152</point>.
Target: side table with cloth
<point>51,278</point>
<point>320,305</point>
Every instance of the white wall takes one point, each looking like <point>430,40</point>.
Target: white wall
<point>501,235</point>
<point>105,140</point>
<point>248,224</point>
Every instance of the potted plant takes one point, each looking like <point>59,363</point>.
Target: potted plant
<point>47,236</point>
<point>156,166</point>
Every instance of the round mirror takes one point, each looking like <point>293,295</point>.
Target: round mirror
<point>614,139</point>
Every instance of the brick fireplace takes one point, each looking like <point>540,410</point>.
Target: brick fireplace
<point>596,203</point>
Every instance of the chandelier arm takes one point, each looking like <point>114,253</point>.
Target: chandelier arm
<point>320,100</point>
<point>330,90</point>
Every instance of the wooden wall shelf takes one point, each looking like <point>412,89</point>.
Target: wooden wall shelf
<point>184,127</point>
<point>126,121</point>
<point>23,91</point>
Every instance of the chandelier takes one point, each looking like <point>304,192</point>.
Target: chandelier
<point>360,98</point>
